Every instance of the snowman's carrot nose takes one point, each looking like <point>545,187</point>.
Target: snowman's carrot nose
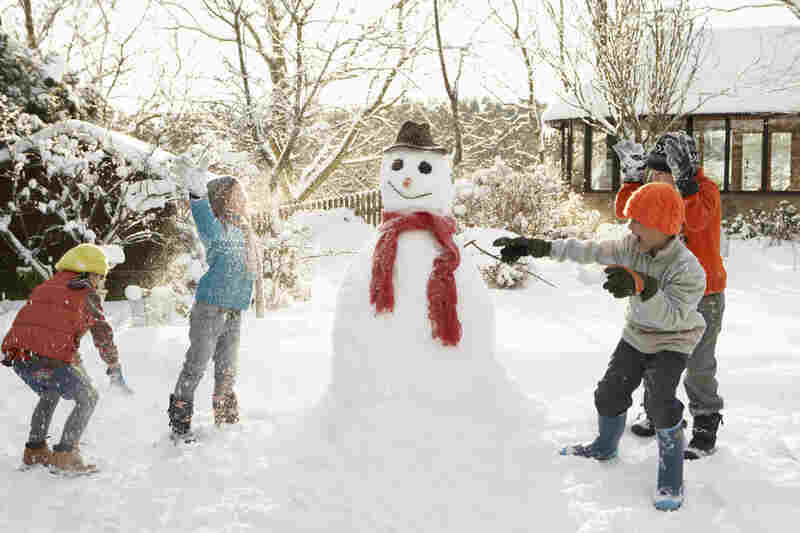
<point>407,183</point>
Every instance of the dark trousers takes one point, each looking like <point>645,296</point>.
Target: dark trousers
<point>628,367</point>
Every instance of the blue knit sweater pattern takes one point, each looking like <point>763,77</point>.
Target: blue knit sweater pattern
<point>227,282</point>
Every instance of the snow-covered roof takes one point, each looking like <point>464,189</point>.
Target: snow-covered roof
<point>744,70</point>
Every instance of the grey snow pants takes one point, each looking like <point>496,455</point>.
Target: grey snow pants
<point>700,380</point>
<point>214,331</point>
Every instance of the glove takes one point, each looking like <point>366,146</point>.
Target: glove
<point>632,160</point>
<point>517,247</point>
<point>623,282</point>
<point>189,176</point>
<point>681,156</point>
<point>117,381</point>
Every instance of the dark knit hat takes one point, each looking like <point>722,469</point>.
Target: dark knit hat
<point>416,137</point>
<point>657,157</point>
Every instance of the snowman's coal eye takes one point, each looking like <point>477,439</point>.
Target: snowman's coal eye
<point>397,164</point>
<point>425,167</point>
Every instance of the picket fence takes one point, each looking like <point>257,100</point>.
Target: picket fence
<point>366,204</point>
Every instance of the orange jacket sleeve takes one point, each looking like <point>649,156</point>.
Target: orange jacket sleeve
<point>622,197</point>
<point>702,206</point>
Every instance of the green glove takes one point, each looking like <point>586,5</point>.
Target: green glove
<point>518,247</point>
<point>623,282</point>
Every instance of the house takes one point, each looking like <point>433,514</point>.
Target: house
<point>745,119</point>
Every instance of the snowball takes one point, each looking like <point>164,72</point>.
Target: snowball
<point>114,253</point>
<point>134,293</point>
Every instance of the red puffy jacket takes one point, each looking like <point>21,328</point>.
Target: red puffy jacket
<point>58,314</point>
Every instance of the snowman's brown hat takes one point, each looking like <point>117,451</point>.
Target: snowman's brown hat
<point>416,137</point>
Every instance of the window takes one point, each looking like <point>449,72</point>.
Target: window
<point>746,151</point>
<point>602,165</point>
<point>784,154</point>
<point>577,179</point>
<point>709,135</point>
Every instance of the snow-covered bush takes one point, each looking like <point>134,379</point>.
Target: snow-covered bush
<point>526,203</point>
<point>504,276</point>
<point>287,277</point>
<point>538,203</point>
<point>779,224</point>
<point>65,188</point>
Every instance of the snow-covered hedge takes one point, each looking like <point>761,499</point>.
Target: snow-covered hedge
<point>537,203</point>
<point>526,203</point>
<point>779,224</point>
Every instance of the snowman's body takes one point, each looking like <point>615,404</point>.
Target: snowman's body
<point>393,355</point>
<point>412,434</point>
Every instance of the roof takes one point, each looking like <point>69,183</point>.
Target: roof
<point>744,70</point>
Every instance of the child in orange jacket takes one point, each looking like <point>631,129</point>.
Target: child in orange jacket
<point>673,160</point>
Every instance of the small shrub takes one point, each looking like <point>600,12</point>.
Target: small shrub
<point>779,224</point>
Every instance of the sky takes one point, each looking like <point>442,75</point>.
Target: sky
<point>494,65</point>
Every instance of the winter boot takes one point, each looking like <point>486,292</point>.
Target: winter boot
<point>37,453</point>
<point>68,459</point>
<point>604,447</point>
<point>643,427</point>
<point>671,444</point>
<point>226,409</point>
<point>704,436</point>
<point>180,416</point>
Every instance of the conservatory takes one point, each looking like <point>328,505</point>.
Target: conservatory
<point>747,128</point>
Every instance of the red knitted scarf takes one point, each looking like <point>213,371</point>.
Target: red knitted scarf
<point>442,294</point>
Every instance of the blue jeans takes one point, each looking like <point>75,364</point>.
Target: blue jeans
<point>214,331</point>
<point>70,382</point>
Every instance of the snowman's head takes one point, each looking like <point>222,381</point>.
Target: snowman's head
<point>415,175</point>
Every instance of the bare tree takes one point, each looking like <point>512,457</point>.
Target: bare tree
<point>522,39</point>
<point>37,30</point>
<point>97,44</point>
<point>631,67</point>
<point>793,6</point>
<point>307,47</point>
<point>450,88</point>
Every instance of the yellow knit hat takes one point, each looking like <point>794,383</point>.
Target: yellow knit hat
<point>84,258</point>
<point>657,205</point>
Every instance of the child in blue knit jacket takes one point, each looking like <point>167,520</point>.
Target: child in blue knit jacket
<point>222,294</point>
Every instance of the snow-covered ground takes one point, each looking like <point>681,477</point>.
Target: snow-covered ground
<point>555,342</point>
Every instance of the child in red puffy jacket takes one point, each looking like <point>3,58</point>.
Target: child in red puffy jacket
<point>42,348</point>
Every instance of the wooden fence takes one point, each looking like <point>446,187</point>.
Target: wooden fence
<point>366,204</point>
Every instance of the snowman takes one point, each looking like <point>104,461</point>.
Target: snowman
<point>414,321</point>
<point>419,423</point>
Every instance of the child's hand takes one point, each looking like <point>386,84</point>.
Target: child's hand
<point>518,247</point>
<point>623,282</point>
<point>632,160</point>
<point>117,381</point>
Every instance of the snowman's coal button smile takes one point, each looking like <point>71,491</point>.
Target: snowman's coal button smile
<point>407,197</point>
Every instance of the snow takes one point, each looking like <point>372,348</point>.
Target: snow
<point>53,68</point>
<point>114,253</point>
<point>134,293</point>
<point>743,70</point>
<point>427,471</point>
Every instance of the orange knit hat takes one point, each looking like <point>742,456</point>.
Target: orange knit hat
<point>657,205</point>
